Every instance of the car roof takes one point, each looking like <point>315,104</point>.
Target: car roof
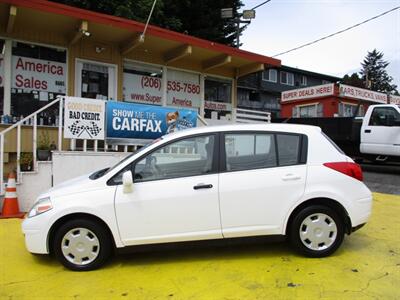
<point>279,127</point>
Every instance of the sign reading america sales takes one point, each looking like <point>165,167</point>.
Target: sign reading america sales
<point>37,74</point>
<point>84,118</point>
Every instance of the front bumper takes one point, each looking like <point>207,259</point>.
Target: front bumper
<point>36,234</point>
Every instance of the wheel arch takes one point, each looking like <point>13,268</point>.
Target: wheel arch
<point>335,205</point>
<point>73,216</point>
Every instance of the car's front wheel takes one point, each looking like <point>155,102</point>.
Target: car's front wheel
<point>82,245</point>
<point>317,231</point>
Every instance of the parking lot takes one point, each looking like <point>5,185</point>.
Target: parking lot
<point>383,178</point>
<point>367,266</point>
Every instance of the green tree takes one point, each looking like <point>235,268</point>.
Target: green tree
<point>353,80</point>
<point>374,73</point>
<point>201,18</point>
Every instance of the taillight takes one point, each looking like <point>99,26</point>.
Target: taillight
<point>348,168</point>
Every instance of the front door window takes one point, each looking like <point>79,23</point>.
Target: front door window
<point>96,81</point>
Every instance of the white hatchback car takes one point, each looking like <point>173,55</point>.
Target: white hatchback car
<point>206,183</point>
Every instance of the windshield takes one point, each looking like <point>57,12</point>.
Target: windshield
<point>105,171</point>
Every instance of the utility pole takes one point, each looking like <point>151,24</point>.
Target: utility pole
<point>247,15</point>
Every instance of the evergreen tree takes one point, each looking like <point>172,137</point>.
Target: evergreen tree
<point>353,80</point>
<point>201,18</point>
<point>374,73</point>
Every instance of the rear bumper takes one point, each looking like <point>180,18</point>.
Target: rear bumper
<point>357,227</point>
<point>361,212</point>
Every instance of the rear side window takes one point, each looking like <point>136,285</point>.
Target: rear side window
<point>288,149</point>
<point>249,151</point>
<point>246,151</point>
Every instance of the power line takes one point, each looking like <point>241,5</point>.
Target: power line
<point>338,32</point>
<point>261,4</point>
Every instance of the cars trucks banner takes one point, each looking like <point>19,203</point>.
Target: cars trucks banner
<point>84,118</point>
<point>140,121</point>
<point>363,94</point>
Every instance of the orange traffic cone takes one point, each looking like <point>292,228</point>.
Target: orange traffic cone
<point>10,204</point>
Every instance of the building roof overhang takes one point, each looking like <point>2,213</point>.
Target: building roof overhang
<point>68,24</point>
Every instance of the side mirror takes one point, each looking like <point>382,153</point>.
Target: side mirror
<point>127,182</point>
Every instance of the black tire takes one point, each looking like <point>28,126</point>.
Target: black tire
<point>312,232</point>
<point>99,244</point>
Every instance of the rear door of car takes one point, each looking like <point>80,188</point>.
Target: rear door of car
<point>262,175</point>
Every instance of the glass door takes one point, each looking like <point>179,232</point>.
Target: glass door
<point>95,80</point>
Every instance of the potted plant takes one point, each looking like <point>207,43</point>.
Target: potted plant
<point>25,161</point>
<point>43,146</point>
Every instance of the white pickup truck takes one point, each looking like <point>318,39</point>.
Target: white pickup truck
<point>375,137</point>
<point>380,132</point>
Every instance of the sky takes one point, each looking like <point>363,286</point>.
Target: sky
<point>281,25</point>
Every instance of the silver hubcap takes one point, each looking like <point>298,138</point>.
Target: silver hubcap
<point>318,231</point>
<point>80,246</point>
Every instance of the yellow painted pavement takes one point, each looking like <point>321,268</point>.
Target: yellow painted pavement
<point>367,266</point>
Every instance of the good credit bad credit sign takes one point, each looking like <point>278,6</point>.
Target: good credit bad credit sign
<point>84,118</point>
<point>138,121</point>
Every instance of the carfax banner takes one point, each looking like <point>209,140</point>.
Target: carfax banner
<point>140,121</point>
<point>84,118</point>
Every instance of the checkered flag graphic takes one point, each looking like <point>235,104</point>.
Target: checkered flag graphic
<point>92,130</point>
<point>76,129</point>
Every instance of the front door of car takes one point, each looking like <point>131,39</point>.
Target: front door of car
<point>264,177</point>
<point>382,134</point>
<point>174,196</point>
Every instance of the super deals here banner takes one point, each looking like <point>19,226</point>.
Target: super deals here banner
<point>84,118</point>
<point>140,121</point>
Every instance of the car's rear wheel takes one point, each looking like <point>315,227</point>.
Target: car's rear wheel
<point>317,231</point>
<point>82,245</point>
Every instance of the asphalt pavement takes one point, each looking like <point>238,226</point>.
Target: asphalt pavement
<point>382,178</point>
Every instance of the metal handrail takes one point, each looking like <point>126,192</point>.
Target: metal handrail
<point>59,99</point>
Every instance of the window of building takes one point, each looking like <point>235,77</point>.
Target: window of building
<point>249,151</point>
<point>38,77</point>
<point>1,76</point>
<point>308,111</point>
<point>218,98</point>
<point>325,82</point>
<point>303,80</point>
<point>381,115</point>
<point>142,83</point>
<point>287,78</point>
<point>183,89</point>
<point>348,110</point>
<point>270,75</point>
<point>188,157</point>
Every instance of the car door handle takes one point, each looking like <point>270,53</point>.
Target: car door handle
<point>367,130</point>
<point>288,177</point>
<point>202,186</point>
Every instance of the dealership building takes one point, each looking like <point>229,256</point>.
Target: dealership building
<point>331,100</point>
<point>49,49</point>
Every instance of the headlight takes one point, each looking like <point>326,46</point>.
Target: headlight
<point>41,206</point>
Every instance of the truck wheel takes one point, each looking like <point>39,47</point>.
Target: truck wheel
<point>316,231</point>
<point>82,245</point>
